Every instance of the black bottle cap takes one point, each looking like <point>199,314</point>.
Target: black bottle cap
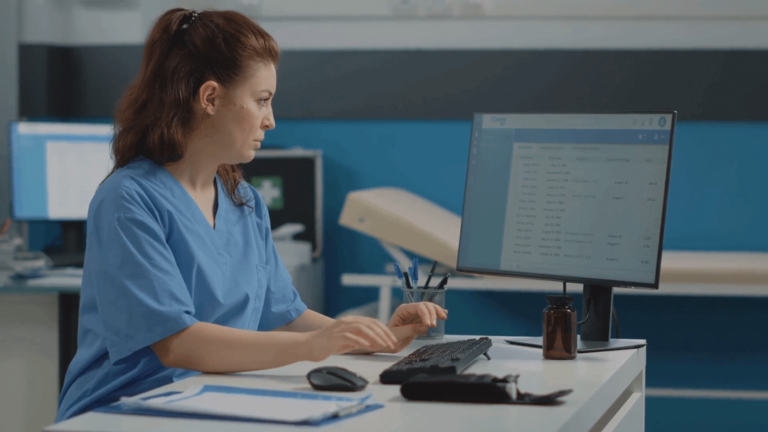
<point>559,300</point>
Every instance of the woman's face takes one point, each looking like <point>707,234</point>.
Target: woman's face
<point>245,115</point>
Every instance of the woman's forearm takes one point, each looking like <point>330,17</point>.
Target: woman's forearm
<point>311,321</point>
<point>307,322</point>
<point>212,348</point>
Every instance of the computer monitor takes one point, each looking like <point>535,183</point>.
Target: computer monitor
<point>569,197</point>
<point>55,170</point>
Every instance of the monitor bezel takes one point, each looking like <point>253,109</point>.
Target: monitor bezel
<point>575,279</point>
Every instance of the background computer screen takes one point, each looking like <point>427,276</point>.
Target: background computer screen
<point>56,168</point>
<point>567,197</point>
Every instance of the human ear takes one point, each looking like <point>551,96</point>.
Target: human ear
<point>209,97</point>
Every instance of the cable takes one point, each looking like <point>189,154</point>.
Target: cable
<point>589,303</point>
<point>616,320</point>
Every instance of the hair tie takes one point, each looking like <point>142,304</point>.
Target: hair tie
<point>190,17</point>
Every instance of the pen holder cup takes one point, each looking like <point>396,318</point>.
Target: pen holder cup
<point>436,296</point>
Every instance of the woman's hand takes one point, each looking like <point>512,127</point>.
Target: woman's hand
<point>422,313</point>
<point>351,333</point>
<point>413,319</point>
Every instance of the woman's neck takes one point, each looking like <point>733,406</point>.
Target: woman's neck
<point>195,177</point>
<point>196,170</point>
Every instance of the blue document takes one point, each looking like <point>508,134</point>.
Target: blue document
<point>212,402</point>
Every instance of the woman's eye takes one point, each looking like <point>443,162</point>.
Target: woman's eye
<point>263,102</point>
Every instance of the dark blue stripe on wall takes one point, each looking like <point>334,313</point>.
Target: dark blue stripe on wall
<point>699,84</point>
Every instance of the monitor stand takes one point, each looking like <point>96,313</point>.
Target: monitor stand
<point>596,331</point>
<point>72,252</point>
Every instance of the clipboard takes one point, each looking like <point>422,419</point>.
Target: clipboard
<point>190,404</point>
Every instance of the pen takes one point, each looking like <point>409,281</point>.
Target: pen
<point>429,277</point>
<point>407,278</point>
<point>403,286</point>
<point>399,272</point>
<point>411,295</point>
<point>415,272</point>
<point>441,284</point>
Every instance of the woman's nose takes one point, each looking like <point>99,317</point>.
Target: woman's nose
<point>268,123</point>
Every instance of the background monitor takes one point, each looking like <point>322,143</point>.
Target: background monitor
<point>56,168</point>
<point>568,197</point>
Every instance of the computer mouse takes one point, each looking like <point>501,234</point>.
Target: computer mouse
<point>335,378</point>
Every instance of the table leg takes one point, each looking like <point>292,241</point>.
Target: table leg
<point>385,302</point>
<point>69,311</point>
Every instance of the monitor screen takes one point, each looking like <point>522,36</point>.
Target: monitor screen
<point>56,168</point>
<point>573,197</point>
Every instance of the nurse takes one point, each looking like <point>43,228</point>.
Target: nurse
<point>181,275</point>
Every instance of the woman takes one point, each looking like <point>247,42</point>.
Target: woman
<point>181,275</point>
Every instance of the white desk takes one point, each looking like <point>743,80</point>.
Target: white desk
<point>38,335</point>
<point>58,281</point>
<point>609,395</point>
<point>65,283</point>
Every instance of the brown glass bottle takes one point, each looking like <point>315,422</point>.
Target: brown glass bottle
<point>559,341</point>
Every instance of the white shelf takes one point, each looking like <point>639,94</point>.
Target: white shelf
<point>682,273</point>
<point>383,9</point>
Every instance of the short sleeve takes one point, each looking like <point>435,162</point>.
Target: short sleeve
<point>282,303</point>
<point>140,294</point>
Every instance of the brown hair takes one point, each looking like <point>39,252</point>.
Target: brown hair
<point>183,51</point>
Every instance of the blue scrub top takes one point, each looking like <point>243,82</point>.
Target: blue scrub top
<point>153,267</point>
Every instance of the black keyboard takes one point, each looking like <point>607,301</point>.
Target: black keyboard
<point>447,358</point>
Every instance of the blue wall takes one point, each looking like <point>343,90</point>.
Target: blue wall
<point>717,201</point>
<point>716,196</point>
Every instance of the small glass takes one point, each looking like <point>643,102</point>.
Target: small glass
<point>559,322</point>
<point>432,295</point>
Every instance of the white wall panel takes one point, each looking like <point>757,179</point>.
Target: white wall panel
<point>426,24</point>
